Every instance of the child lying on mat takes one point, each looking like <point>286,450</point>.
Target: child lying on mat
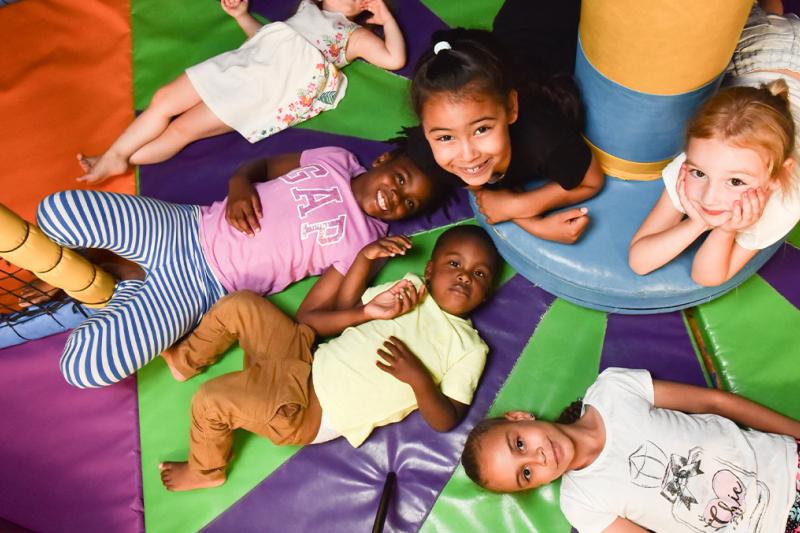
<point>738,180</point>
<point>403,346</point>
<point>285,73</point>
<point>635,458</point>
<point>320,208</point>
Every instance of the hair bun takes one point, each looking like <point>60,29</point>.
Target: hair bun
<point>778,88</point>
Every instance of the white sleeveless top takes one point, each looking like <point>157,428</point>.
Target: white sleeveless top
<point>327,31</point>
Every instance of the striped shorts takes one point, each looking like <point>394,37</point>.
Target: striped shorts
<point>143,317</point>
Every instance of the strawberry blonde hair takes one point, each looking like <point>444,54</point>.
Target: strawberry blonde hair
<point>758,118</point>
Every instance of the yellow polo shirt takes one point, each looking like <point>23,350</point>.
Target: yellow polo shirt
<point>357,396</point>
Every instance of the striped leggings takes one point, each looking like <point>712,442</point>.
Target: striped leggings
<point>143,317</point>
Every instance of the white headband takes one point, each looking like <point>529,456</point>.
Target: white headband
<point>441,45</point>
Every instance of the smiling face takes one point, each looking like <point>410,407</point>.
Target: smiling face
<point>393,189</point>
<point>469,135</point>
<point>461,273</point>
<point>523,454</point>
<point>717,173</point>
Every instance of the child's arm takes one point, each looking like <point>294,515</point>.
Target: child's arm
<point>720,257</point>
<point>562,226</point>
<point>772,6</point>
<point>691,399</point>
<point>238,10</point>
<point>439,411</point>
<point>321,309</point>
<point>502,205</point>
<point>663,235</point>
<point>244,205</point>
<point>389,52</point>
<point>367,263</point>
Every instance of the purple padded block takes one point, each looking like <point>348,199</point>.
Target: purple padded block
<point>783,273</point>
<point>344,484</point>
<point>415,20</point>
<point>659,343</point>
<point>70,457</point>
<point>199,174</point>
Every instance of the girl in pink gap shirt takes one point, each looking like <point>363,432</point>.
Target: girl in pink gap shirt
<point>286,218</point>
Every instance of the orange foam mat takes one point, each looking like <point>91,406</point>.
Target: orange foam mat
<point>65,87</point>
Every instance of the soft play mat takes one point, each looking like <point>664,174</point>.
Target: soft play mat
<point>72,77</point>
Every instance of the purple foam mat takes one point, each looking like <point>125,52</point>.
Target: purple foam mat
<point>415,20</point>
<point>782,271</point>
<point>199,174</point>
<point>70,457</point>
<point>344,484</point>
<point>659,343</point>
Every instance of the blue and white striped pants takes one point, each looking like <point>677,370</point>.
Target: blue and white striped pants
<point>143,317</point>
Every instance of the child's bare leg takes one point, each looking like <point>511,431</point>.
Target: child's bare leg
<point>194,124</point>
<point>177,476</point>
<point>169,101</point>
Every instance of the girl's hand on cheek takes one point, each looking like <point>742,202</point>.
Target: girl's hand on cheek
<point>688,207</point>
<point>747,210</point>
<point>401,363</point>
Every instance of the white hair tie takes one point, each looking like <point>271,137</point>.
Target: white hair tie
<point>441,45</point>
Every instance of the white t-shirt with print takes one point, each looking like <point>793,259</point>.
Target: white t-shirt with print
<point>780,215</point>
<point>669,471</point>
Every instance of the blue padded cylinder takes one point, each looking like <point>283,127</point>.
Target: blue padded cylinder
<point>632,125</point>
<point>594,272</point>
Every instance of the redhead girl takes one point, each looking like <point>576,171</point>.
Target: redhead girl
<point>498,123</point>
<point>738,180</point>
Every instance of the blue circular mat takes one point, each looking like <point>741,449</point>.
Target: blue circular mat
<point>594,272</point>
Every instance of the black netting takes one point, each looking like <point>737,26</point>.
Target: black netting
<point>24,298</point>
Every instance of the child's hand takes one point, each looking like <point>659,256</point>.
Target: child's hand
<point>492,203</point>
<point>380,13</point>
<point>244,207</point>
<point>747,210</point>
<point>402,363</point>
<point>563,226</point>
<point>235,8</point>
<point>386,247</point>
<point>688,207</point>
<point>397,300</point>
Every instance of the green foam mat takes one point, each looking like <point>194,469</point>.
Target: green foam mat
<point>466,14</point>
<point>751,335</point>
<point>556,367</point>
<point>164,49</point>
<point>164,419</point>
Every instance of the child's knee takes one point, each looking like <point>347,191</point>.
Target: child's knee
<point>47,213</point>
<point>81,362</point>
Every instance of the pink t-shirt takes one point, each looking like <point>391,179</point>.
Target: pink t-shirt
<point>311,221</point>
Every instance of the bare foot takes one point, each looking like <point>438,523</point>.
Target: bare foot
<point>98,168</point>
<point>176,476</point>
<point>37,292</point>
<point>167,356</point>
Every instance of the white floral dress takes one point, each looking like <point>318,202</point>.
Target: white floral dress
<point>288,72</point>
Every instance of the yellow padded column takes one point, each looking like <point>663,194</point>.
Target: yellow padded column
<point>24,245</point>
<point>661,47</point>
